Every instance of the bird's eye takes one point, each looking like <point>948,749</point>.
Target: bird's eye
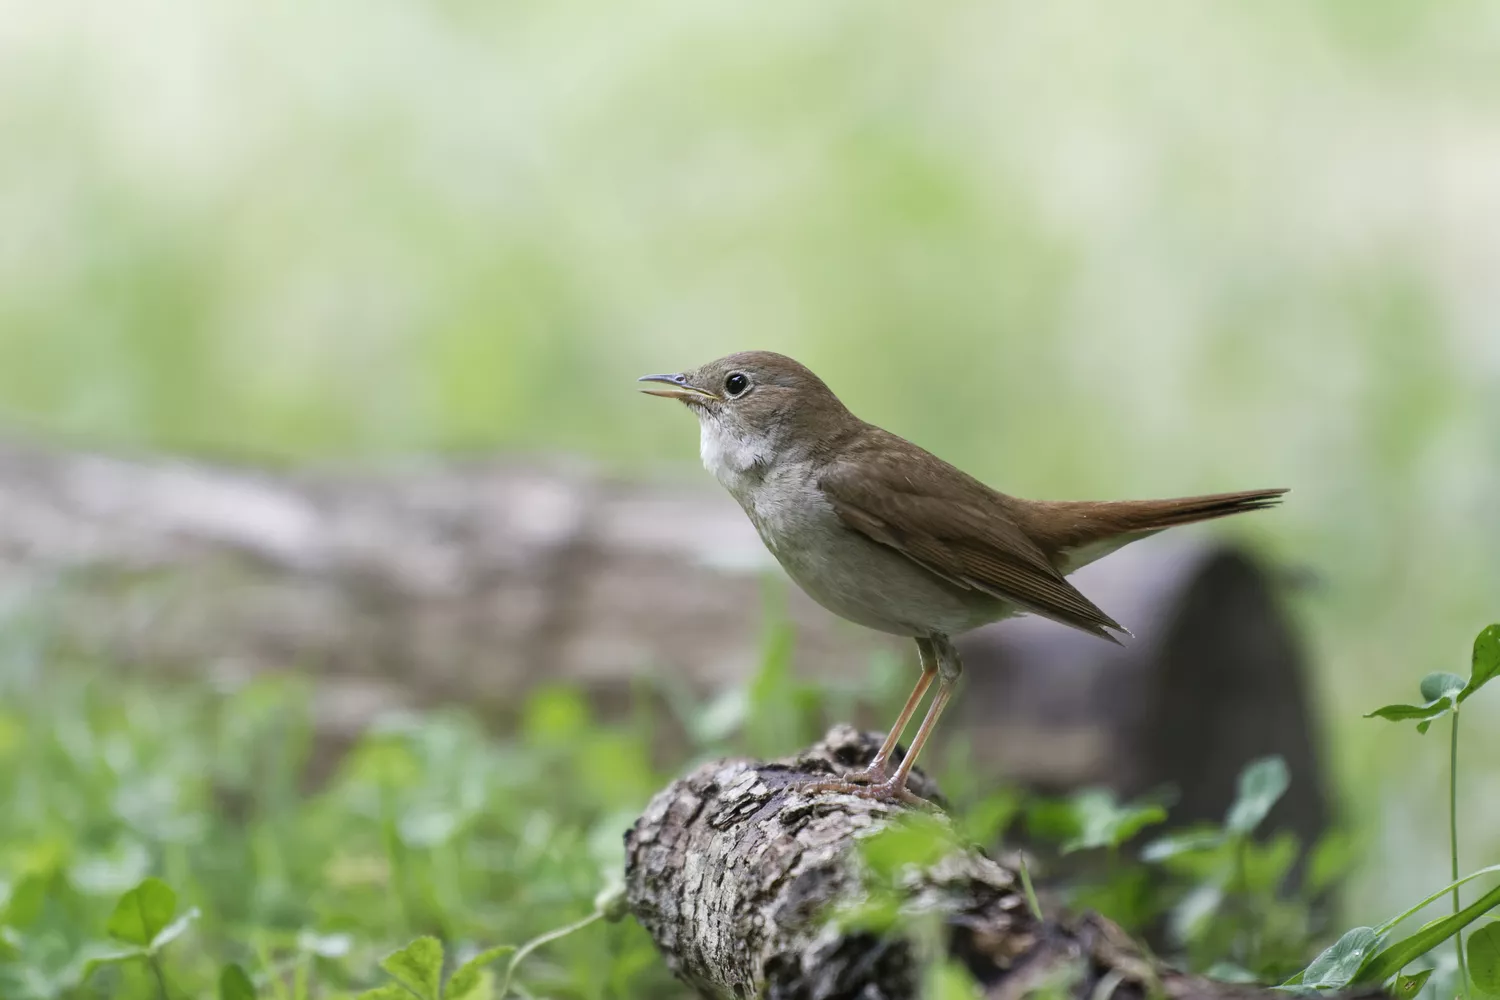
<point>736,383</point>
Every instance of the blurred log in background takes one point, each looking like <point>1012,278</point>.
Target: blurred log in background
<point>473,582</point>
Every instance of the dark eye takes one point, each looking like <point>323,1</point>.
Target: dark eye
<point>736,383</point>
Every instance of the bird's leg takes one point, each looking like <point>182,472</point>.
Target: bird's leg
<point>949,669</point>
<point>946,684</point>
<point>877,771</point>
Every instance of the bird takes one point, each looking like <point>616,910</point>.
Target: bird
<point>884,533</point>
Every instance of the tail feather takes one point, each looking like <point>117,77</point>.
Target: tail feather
<point>1154,514</point>
<point>1063,527</point>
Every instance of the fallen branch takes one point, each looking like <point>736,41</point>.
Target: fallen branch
<point>734,869</point>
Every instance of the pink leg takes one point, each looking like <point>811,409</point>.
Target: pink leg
<point>876,772</point>
<point>939,702</point>
<point>894,787</point>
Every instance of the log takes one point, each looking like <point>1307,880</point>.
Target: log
<point>417,583</point>
<point>444,581</point>
<point>734,868</point>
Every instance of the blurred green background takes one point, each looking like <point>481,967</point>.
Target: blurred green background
<point>1078,249</point>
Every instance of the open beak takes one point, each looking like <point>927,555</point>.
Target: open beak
<point>674,387</point>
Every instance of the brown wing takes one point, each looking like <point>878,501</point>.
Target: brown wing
<point>953,526</point>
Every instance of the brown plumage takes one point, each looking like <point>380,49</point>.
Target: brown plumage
<point>976,537</point>
<point>886,534</point>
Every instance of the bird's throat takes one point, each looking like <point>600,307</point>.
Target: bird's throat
<point>738,459</point>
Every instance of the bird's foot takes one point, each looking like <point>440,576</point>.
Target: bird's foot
<point>863,784</point>
<point>874,774</point>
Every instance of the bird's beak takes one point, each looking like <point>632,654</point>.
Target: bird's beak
<point>674,387</point>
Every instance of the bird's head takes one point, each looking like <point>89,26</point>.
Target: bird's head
<point>754,396</point>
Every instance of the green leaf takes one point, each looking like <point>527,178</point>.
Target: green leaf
<point>1404,713</point>
<point>1263,867</point>
<point>143,913</point>
<point>1342,960</point>
<point>1175,844</point>
<point>173,931</point>
<point>877,911</point>
<point>418,967</point>
<point>1484,958</point>
<point>1406,987</point>
<point>917,840</point>
<point>1052,820</point>
<point>1392,960</point>
<point>1228,972</point>
<point>1411,910</point>
<point>25,902</point>
<point>390,991</point>
<point>950,981</point>
<point>1192,913</point>
<point>1261,784</point>
<point>467,979</point>
<point>1104,823</point>
<point>1329,861</point>
<point>235,985</point>
<point>1436,687</point>
<point>1444,691</point>
<point>986,820</point>
<point>97,954</point>
<point>1486,661</point>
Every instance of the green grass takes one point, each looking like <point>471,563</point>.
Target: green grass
<point>157,835</point>
<point>426,827</point>
<point>307,864</point>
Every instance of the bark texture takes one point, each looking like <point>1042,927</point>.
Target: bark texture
<point>732,869</point>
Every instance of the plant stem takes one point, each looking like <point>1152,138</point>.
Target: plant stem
<point>273,971</point>
<point>1031,900</point>
<point>161,980</point>
<point>537,942</point>
<point>1458,938</point>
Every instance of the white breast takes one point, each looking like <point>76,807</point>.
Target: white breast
<point>736,461</point>
<point>842,570</point>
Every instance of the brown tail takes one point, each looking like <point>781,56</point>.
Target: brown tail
<point>1062,525</point>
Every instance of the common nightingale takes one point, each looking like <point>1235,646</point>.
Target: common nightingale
<point>886,534</point>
